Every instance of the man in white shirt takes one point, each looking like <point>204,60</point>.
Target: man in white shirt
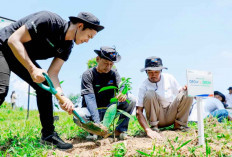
<point>229,98</point>
<point>163,99</point>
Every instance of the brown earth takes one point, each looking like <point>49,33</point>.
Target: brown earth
<point>104,147</point>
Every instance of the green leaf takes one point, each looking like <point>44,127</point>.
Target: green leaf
<point>183,144</point>
<point>102,108</point>
<point>57,106</point>
<point>120,121</point>
<point>142,153</point>
<point>109,115</point>
<point>61,82</point>
<point>113,100</point>
<point>107,88</point>
<point>125,89</point>
<point>171,145</point>
<point>125,113</point>
<point>121,84</point>
<point>128,101</point>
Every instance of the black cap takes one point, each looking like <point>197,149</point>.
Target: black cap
<point>89,18</point>
<point>153,63</point>
<point>108,53</point>
<point>230,88</point>
<point>221,95</point>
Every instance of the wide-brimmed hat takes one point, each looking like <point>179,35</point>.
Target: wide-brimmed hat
<point>108,53</point>
<point>88,18</point>
<point>153,63</point>
<point>230,88</point>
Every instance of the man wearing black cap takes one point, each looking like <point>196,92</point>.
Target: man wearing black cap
<point>229,98</point>
<point>93,80</point>
<point>165,102</point>
<point>40,36</point>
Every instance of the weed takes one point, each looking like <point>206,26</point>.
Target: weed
<point>119,150</point>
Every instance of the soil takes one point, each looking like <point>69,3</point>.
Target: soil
<point>104,147</point>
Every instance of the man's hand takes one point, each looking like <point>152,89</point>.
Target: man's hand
<point>37,75</point>
<point>153,134</point>
<point>121,97</point>
<point>67,105</point>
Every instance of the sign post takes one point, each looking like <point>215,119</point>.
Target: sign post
<point>200,84</point>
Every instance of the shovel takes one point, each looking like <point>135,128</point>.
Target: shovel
<point>97,129</point>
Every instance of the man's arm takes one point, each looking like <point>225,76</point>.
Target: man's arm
<point>142,121</point>
<point>92,107</point>
<point>53,72</point>
<point>15,42</point>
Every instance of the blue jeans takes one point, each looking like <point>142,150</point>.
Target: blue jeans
<point>220,114</point>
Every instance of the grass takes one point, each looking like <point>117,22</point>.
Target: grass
<point>20,137</point>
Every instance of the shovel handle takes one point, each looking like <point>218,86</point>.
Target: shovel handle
<point>61,99</point>
<point>49,88</point>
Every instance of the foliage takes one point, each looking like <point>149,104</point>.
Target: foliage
<point>75,98</point>
<point>124,86</point>
<point>92,63</point>
<point>112,113</point>
<point>20,137</point>
<point>119,150</point>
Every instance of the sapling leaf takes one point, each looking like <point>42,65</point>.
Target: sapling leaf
<point>125,89</point>
<point>107,88</point>
<point>128,101</point>
<point>113,100</point>
<point>121,84</point>
<point>102,108</point>
<point>110,115</point>
<point>125,113</point>
<point>119,122</point>
<point>61,82</point>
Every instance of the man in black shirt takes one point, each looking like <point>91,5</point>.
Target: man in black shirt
<point>101,76</point>
<point>40,36</point>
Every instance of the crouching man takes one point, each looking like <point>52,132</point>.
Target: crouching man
<point>92,81</point>
<point>164,101</point>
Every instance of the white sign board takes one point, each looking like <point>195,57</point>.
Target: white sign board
<point>5,22</point>
<point>200,83</point>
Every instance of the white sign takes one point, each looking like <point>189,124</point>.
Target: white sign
<point>200,83</point>
<point>5,22</point>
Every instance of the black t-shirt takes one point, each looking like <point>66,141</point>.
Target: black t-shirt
<point>47,31</point>
<point>93,81</point>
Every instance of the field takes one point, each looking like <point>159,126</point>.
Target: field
<point>20,137</point>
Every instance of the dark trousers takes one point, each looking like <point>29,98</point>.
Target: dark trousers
<point>9,63</point>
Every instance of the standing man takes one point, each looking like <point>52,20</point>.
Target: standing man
<point>229,98</point>
<point>93,80</point>
<point>40,36</point>
<point>164,101</point>
<point>13,98</point>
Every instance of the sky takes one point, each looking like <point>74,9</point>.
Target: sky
<point>192,34</point>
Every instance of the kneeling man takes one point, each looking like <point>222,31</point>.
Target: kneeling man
<point>164,101</point>
<point>93,80</point>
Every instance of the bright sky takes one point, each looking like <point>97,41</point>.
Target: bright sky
<point>185,34</point>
